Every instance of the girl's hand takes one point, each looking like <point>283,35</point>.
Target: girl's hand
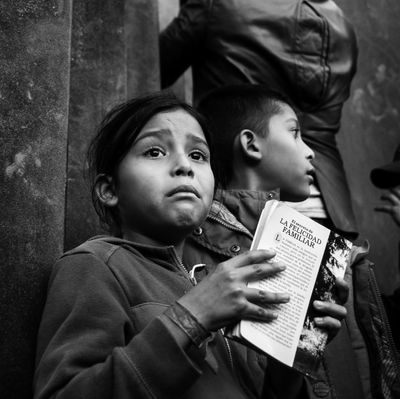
<point>223,298</point>
<point>333,313</point>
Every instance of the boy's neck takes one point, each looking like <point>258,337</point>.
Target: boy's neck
<point>247,181</point>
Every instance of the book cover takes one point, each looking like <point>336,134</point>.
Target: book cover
<point>314,257</point>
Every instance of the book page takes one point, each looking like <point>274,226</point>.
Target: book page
<point>300,244</point>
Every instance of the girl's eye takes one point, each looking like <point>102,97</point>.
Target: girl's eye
<point>154,152</point>
<point>198,156</point>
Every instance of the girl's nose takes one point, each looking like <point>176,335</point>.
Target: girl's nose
<point>182,166</point>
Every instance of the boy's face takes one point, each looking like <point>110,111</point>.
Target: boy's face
<point>286,161</point>
<point>165,184</point>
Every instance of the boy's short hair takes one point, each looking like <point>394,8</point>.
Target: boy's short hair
<point>116,134</point>
<point>233,108</point>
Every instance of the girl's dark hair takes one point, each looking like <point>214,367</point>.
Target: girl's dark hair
<point>116,134</point>
<point>232,108</point>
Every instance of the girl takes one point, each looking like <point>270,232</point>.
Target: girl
<point>123,318</point>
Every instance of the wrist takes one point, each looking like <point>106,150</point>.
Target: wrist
<point>188,323</point>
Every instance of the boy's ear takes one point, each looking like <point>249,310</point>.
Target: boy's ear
<point>249,145</point>
<point>105,190</point>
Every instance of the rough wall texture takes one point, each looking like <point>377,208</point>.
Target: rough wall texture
<point>34,86</point>
<point>98,81</point>
<point>370,128</point>
<point>114,56</point>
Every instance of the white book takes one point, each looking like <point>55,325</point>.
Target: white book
<point>314,256</point>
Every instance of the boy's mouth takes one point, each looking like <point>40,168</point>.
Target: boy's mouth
<point>311,173</point>
<point>183,189</point>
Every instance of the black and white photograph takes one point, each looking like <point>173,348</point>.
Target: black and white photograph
<point>140,141</point>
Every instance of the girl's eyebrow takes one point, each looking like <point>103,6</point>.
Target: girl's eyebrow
<point>198,139</point>
<point>160,133</point>
<point>152,133</point>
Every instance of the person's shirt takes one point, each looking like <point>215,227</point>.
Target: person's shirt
<point>313,206</point>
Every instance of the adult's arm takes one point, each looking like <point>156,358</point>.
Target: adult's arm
<point>182,40</point>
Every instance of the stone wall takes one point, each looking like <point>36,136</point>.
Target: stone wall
<point>34,93</point>
<point>114,56</point>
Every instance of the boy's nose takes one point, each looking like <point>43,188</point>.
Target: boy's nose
<point>182,166</point>
<point>310,154</point>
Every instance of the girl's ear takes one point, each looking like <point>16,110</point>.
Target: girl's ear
<point>105,190</point>
<point>249,145</point>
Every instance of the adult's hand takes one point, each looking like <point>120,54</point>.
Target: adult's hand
<point>391,204</point>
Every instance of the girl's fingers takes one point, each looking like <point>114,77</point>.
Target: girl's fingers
<point>342,290</point>
<point>262,297</point>
<point>251,266</point>
<point>257,313</point>
<point>259,271</point>
<point>250,258</point>
<point>328,323</point>
<point>334,310</point>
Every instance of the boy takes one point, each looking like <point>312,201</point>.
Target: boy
<point>259,148</point>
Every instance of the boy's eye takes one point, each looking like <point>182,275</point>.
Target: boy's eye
<point>198,155</point>
<point>296,132</point>
<point>154,152</point>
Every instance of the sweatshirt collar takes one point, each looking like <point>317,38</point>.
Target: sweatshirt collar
<point>164,255</point>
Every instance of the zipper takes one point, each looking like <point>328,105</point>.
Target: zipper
<point>228,348</point>
<point>228,225</point>
<point>193,271</point>
<point>183,267</point>
<point>193,281</point>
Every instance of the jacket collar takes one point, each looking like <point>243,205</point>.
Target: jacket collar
<point>240,209</point>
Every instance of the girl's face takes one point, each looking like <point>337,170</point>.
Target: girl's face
<point>165,184</point>
<point>286,161</point>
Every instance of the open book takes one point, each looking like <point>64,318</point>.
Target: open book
<point>314,256</point>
